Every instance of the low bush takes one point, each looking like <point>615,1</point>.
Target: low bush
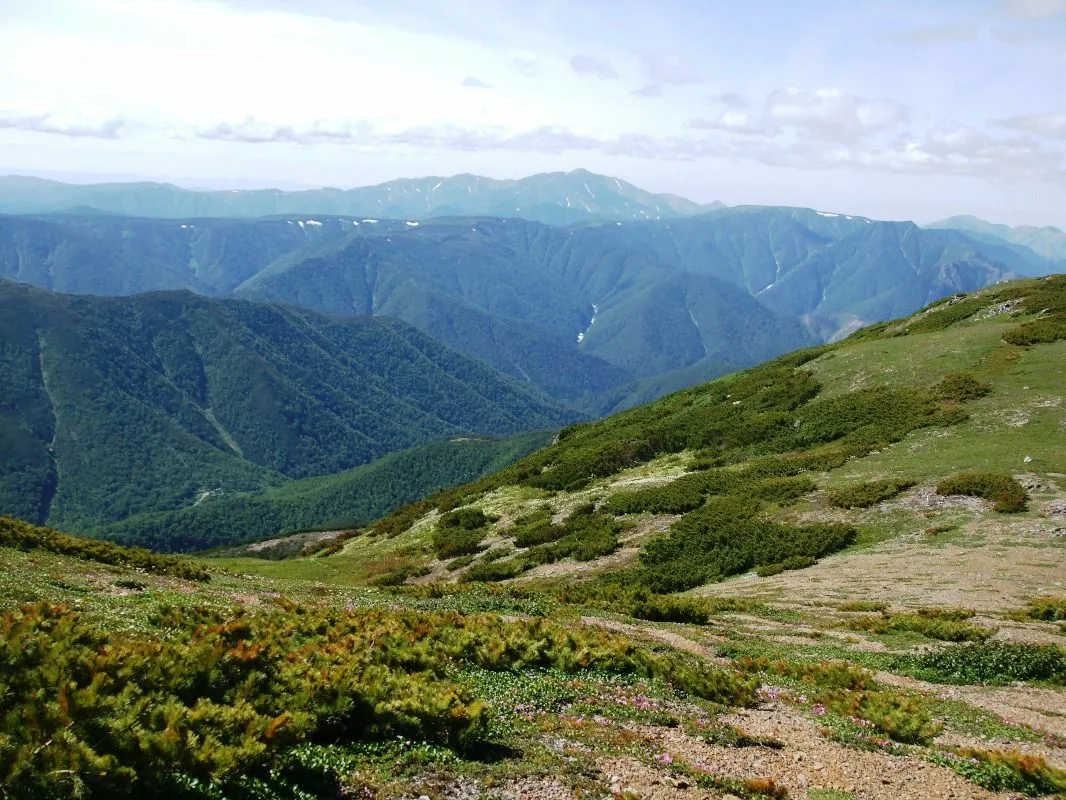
<point>790,563</point>
<point>470,519</point>
<point>726,537</point>
<point>1006,493</point>
<point>902,717</point>
<point>863,605</point>
<point>822,674</point>
<point>961,387</point>
<point>452,542</point>
<point>1006,771</point>
<point>20,535</point>
<point>216,707</point>
<point>990,663</point>
<point>1048,609</point>
<point>489,572</point>
<point>946,630</point>
<point>864,495</point>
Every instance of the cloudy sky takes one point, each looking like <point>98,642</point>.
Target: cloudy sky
<point>888,108</point>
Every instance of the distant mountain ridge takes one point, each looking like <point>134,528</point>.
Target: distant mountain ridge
<point>116,406</point>
<point>598,315</point>
<point>554,198</point>
<point>1048,241</point>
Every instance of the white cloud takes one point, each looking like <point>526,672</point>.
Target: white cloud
<point>1035,9</point>
<point>670,70</point>
<point>593,67</point>
<point>63,125</point>
<point>476,83</point>
<point>1051,126</point>
<point>831,114</point>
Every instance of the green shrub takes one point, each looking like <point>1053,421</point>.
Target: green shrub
<point>489,572</point>
<point>470,519</point>
<point>946,630</point>
<point>452,542</point>
<point>863,605</point>
<point>724,538</point>
<point>961,387</point>
<point>769,570</point>
<point>21,535</point>
<point>218,705</point>
<point>458,563</point>
<point>1006,771</point>
<point>1048,609</point>
<point>864,495</point>
<point>823,674</point>
<point>991,663</point>
<point>902,717</point>
<point>1006,493</point>
<point>670,609</point>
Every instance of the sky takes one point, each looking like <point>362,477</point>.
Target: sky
<point>892,109</point>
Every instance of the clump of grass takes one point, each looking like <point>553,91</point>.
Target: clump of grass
<point>864,495</point>
<point>1005,770</point>
<point>990,663</point>
<point>1006,493</point>
<point>863,605</point>
<point>928,625</point>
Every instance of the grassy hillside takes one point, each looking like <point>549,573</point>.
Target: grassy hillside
<point>119,406</point>
<point>872,534</point>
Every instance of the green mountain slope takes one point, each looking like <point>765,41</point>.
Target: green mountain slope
<point>554,198</point>
<point>726,461</point>
<point>350,498</point>
<point>119,406</point>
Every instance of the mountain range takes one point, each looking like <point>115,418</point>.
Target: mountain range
<point>554,198</point>
<point>597,315</point>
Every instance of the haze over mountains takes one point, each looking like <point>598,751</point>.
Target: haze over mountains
<point>555,198</point>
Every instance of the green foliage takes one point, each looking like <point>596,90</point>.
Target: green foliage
<point>346,500</point>
<point>961,387</point>
<point>1006,770</point>
<point>1049,609</point>
<point>460,533</point>
<point>22,536</point>
<point>225,701</point>
<point>726,537</point>
<point>946,628</point>
<point>864,495</point>
<point>990,663</point>
<point>863,605</point>
<point>823,674</point>
<point>904,718</point>
<point>1006,493</point>
<point>136,404</point>
<point>469,519</point>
